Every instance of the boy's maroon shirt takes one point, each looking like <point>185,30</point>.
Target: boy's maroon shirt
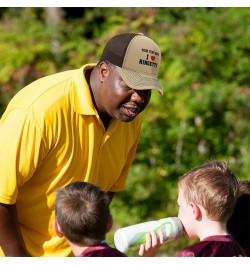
<point>101,250</point>
<point>214,246</point>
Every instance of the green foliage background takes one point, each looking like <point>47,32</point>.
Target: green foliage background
<point>205,74</point>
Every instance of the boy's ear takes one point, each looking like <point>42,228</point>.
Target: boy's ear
<point>110,223</point>
<point>196,210</point>
<point>57,229</point>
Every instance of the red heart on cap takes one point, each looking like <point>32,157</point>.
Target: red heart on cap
<point>152,57</point>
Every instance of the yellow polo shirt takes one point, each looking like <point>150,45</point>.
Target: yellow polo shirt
<point>51,135</point>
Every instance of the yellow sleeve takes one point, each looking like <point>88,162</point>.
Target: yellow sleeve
<point>21,151</point>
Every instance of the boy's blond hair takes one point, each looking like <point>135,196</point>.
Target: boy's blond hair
<point>214,187</point>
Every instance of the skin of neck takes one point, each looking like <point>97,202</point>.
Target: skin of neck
<point>207,227</point>
<point>77,250</point>
<point>94,85</point>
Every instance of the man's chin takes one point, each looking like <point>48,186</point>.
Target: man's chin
<point>124,118</point>
<point>127,119</point>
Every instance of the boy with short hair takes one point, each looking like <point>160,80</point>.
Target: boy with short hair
<point>207,195</point>
<point>206,199</point>
<point>83,217</point>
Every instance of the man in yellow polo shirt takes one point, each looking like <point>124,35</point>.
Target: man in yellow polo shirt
<point>78,125</point>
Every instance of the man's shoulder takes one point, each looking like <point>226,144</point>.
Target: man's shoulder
<point>43,91</point>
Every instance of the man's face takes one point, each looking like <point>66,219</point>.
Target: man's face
<point>120,101</point>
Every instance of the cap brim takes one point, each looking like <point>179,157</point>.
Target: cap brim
<point>139,81</point>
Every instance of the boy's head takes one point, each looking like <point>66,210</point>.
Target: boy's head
<point>82,213</point>
<point>209,191</point>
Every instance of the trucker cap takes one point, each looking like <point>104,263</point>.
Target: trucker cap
<point>137,59</point>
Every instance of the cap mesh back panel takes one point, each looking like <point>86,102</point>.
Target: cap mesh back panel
<point>115,49</point>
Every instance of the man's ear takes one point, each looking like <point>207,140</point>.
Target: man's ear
<point>196,210</point>
<point>103,71</point>
<point>57,229</point>
<point>110,223</point>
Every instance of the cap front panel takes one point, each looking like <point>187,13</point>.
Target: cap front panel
<point>142,55</point>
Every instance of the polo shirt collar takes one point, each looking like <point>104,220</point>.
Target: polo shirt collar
<point>82,97</point>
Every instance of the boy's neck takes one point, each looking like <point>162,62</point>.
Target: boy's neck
<point>212,228</point>
<point>77,250</point>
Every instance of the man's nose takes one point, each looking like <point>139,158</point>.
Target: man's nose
<point>141,96</point>
<point>137,97</point>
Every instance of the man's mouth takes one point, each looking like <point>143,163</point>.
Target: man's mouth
<point>131,110</point>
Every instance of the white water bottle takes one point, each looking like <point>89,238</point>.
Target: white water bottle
<point>135,235</point>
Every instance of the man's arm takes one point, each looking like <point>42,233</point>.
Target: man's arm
<point>11,240</point>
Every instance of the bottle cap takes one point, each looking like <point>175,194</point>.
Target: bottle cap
<point>121,242</point>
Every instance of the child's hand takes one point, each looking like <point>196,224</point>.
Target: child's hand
<point>152,244</point>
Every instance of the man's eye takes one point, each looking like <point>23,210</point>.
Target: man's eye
<point>147,92</point>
